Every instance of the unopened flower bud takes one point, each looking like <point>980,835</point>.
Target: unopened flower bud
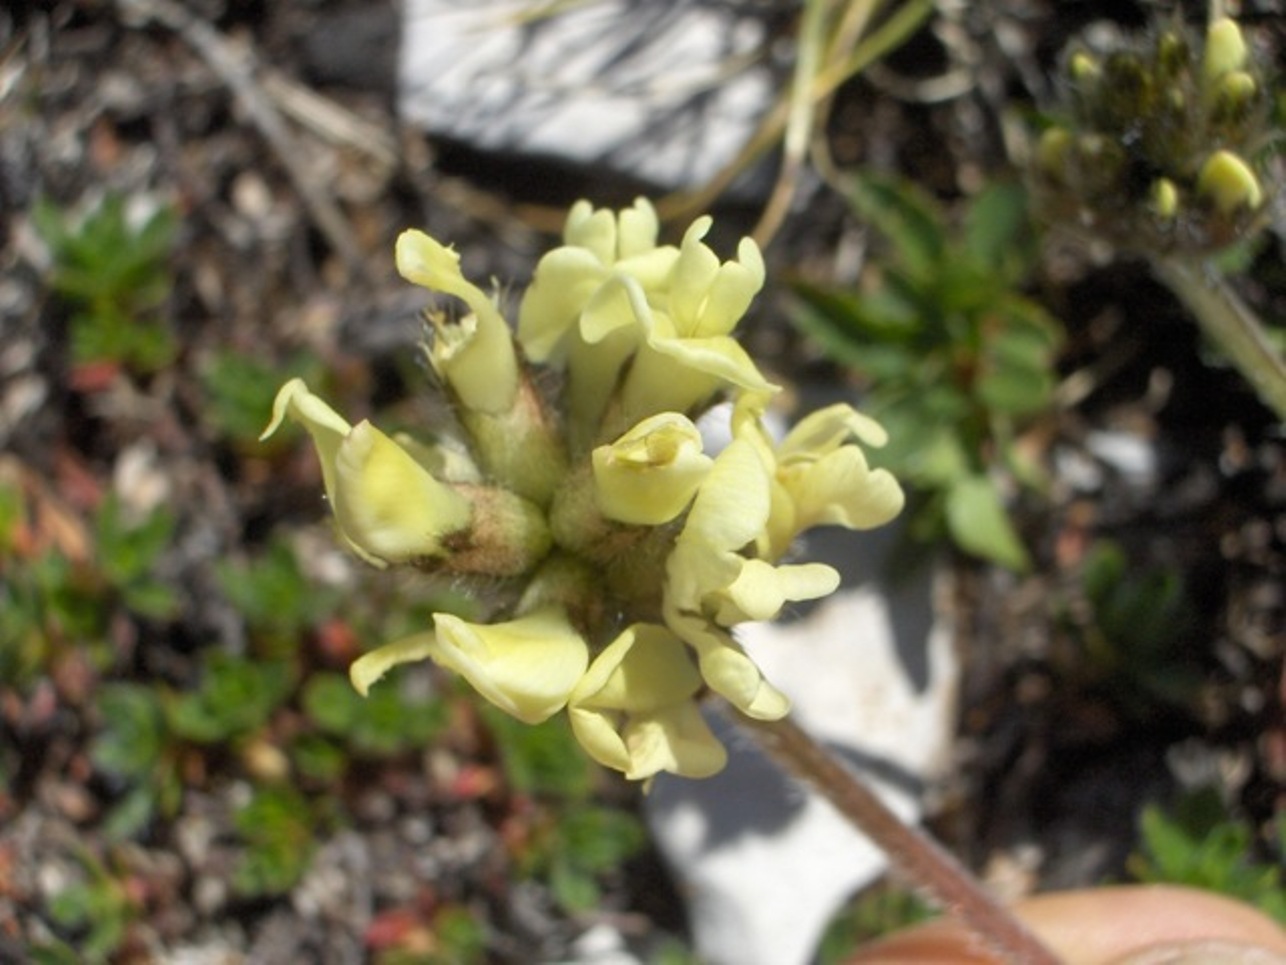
<point>1232,95</point>
<point>1225,49</point>
<point>1052,152</point>
<point>1101,163</point>
<point>1173,56</point>
<point>1083,68</point>
<point>1164,199</point>
<point>520,448</point>
<point>509,535</point>
<point>1229,184</point>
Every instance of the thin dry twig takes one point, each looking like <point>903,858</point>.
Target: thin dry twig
<point>332,121</point>
<point>237,68</point>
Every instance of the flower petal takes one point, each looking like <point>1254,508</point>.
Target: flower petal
<point>720,356</point>
<point>731,291</point>
<point>826,429</point>
<point>761,590</point>
<point>627,710</point>
<point>615,305</point>
<point>327,428</point>
<point>387,504</point>
<point>734,675</point>
<point>840,489</point>
<point>728,513</point>
<point>650,474</point>
<point>676,739</point>
<point>732,504</point>
<point>636,231</point>
<point>476,356</point>
<point>425,261</point>
<point>645,668</point>
<point>728,670</point>
<point>598,732</point>
<point>693,274</point>
<point>527,667</point>
<point>370,667</point>
<point>565,281</point>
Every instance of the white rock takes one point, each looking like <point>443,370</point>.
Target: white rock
<point>766,864</point>
<point>666,92</point>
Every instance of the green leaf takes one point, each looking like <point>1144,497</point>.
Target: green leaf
<point>830,335</point>
<point>1201,846</point>
<point>978,523</point>
<point>240,390</point>
<point>540,759</point>
<point>133,736</point>
<point>881,315</point>
<point>276,829</point>
<point>50,224</point>
<point>156,601</point>
<point>907,217</point>
<point>317,758</point>
<point>997,228</point>
<point>1013,390</point>
<point>1105,567</point>
<point>875,912</point>
<point>461,937</point>
<point>598,838</point>
<point>108,334</point>
<point>132,814</point>
<point>275,597</point>
<point>12,511</point>
<point>331,702</point>
<point>116,275</point>
<point>127,551</point>
<point>236,696</point>
<point>381,723</point>
<point>54,952</point>
<point>923,449</point>
<point>99,907</point>
<point>574,889</point>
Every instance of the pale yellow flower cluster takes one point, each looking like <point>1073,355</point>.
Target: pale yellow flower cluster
<point>633,551</point>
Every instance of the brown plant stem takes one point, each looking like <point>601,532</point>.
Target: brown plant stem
<point>917,858</point>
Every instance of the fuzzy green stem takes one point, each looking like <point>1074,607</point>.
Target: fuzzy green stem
<point>1230,324</point>
<point>917,858</point>
<point>519,447</point>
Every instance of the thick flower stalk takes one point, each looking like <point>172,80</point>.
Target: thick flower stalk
<point>624,554</point>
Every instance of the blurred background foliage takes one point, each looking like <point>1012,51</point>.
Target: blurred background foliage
<point>155,683</point>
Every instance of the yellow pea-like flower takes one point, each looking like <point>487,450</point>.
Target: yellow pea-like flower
<point>633,709</point>
<point>586,496</point>
<point>475,356</point>
<point>650,474</point>
<point>528,667</point>
<point>389,508</point>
